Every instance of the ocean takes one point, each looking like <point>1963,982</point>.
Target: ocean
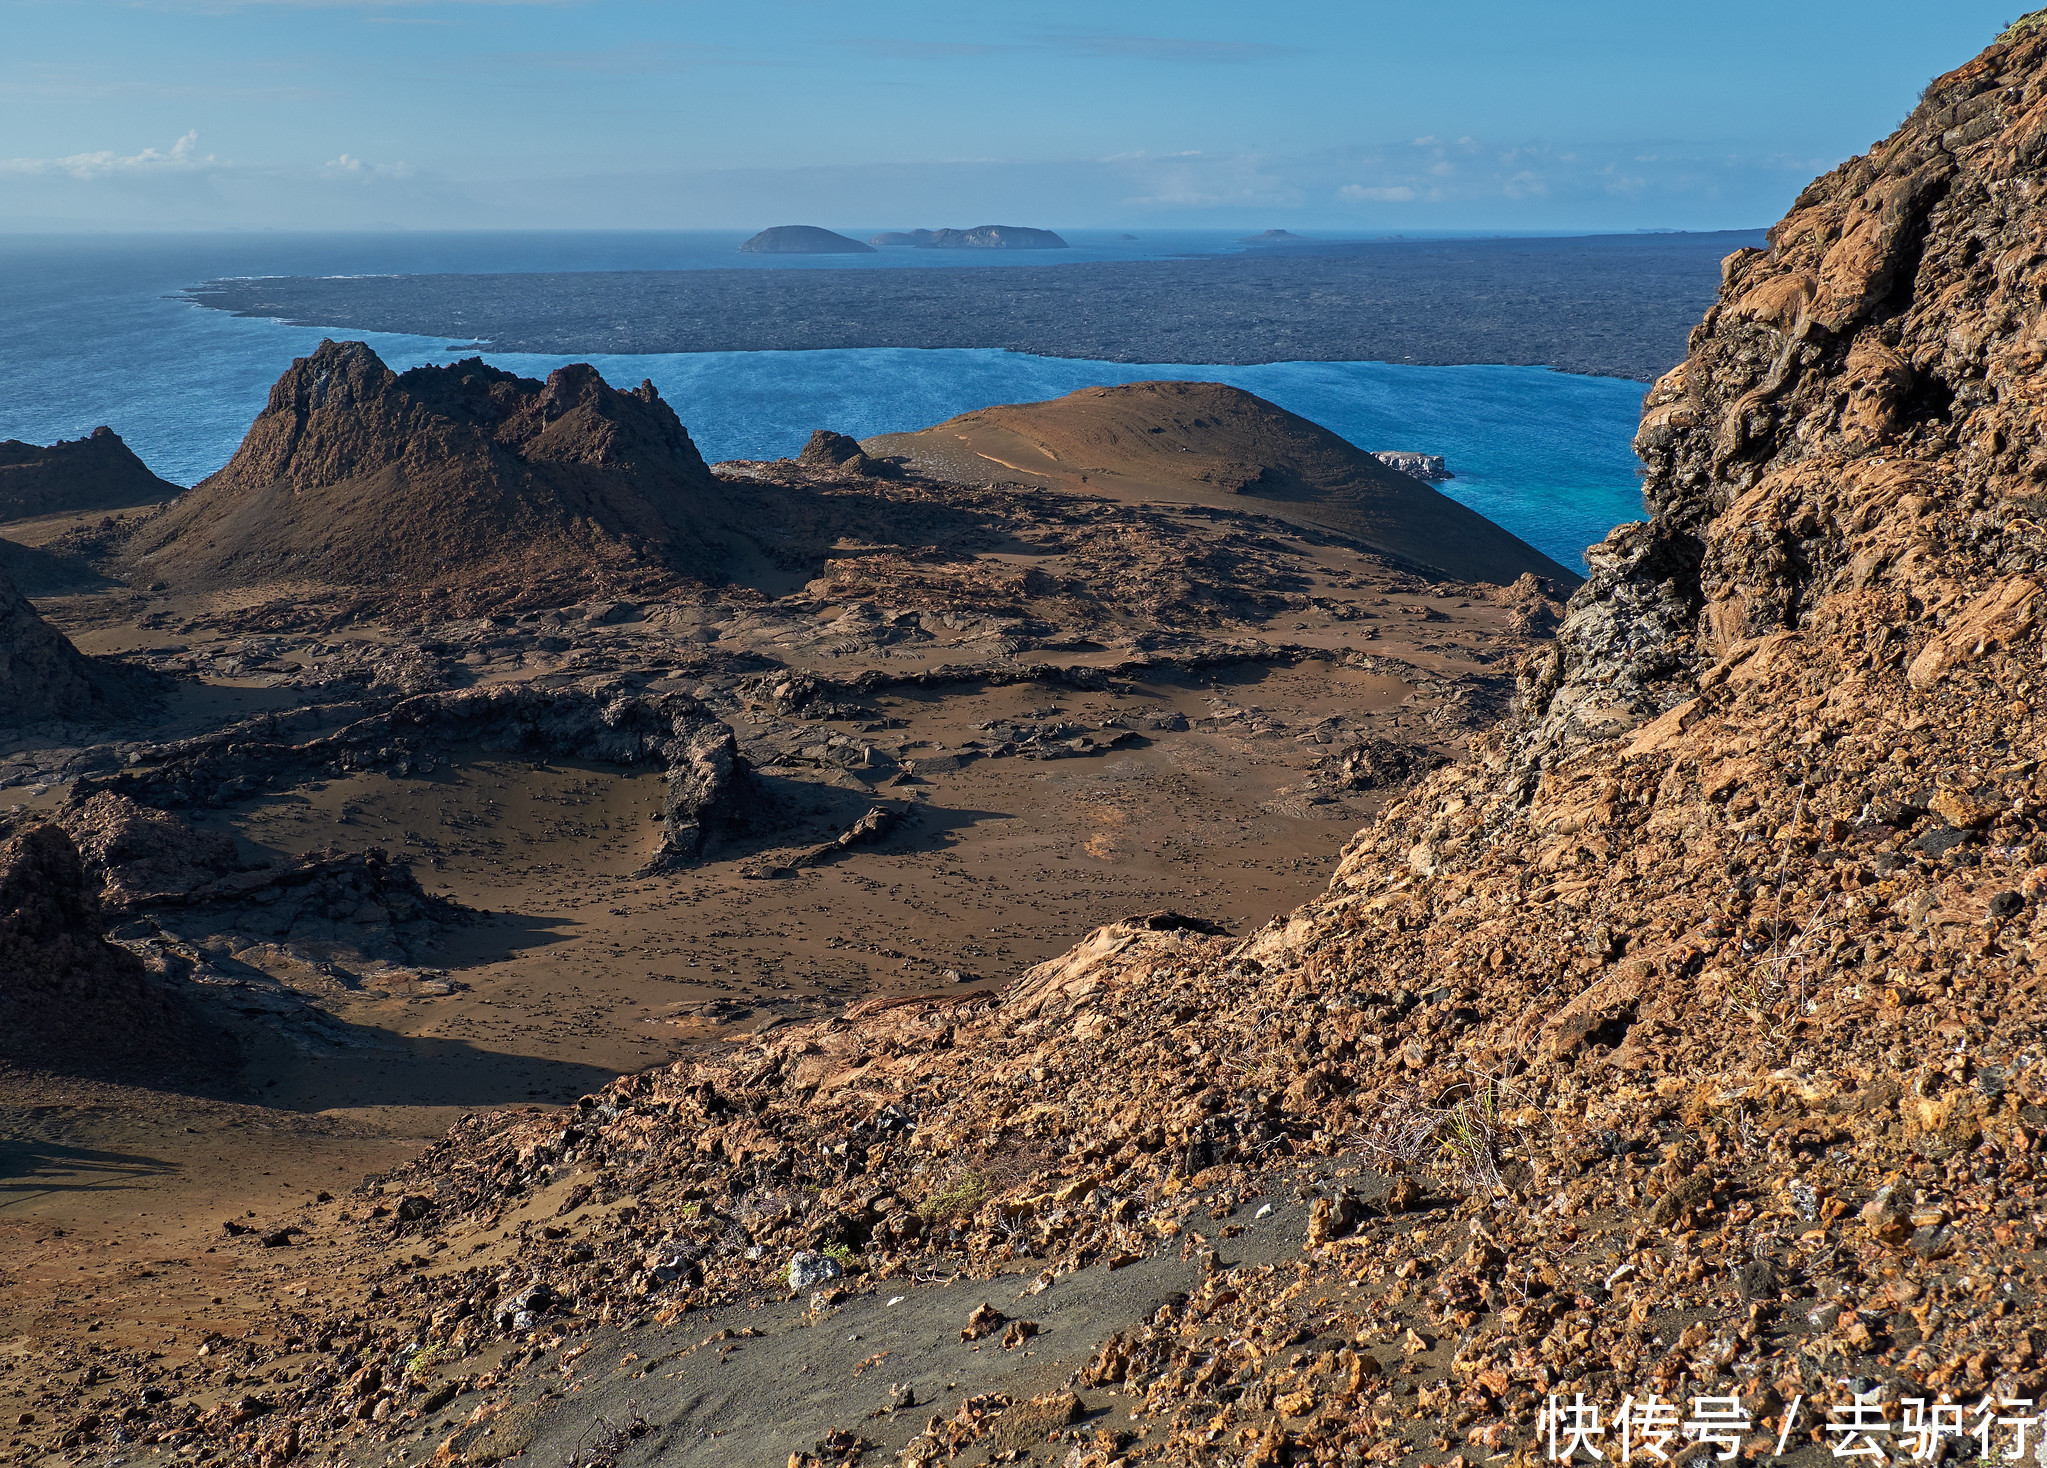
<point>92,331</point>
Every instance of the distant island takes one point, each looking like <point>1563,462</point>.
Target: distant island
<point>1275,237</point>
<point>993,237</point>
<point>803,239</point>
<point>981,237</point>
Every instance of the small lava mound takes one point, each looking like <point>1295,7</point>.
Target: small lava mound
<point>1208,443</point>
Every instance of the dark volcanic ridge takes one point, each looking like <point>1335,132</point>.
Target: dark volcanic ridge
<point>1211,444</point>
<point>466,490</point>
<point>710,785</point>
<point>97,472</point>
<point>463,483</point>
<point>1608,305</point>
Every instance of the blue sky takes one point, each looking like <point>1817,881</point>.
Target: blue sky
<point>1360,115</point>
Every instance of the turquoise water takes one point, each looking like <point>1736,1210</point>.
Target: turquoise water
<point>94,335</point>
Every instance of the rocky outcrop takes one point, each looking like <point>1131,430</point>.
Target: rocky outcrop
<point>36,571</point>
<point>68,998</point>
<point>828,450</point>
<point>838,451</point>
<point>75,476</point>
<point>361,904</point>
<point>711,786</point>
<point>1429,468</point>
<point>992,237</point>
<point>1859,417</point>
<point>136,853</point>
<point>462,486</point>
<point>44,678</point>
<point>803,239</point>
<point>900,237</point>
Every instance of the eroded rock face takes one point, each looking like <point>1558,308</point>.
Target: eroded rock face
<point>68,998</point>
<point>462,483</point>
<point>1427,467</point>
<point>1860,415</point>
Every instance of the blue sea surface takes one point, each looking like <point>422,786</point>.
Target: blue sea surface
<point>91,332</point>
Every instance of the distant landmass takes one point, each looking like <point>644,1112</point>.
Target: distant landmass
<point>992,237</point>
<point>803,239</point>
<point>1608,305</point>
<point>981,237</point>
<point>1275,237</point>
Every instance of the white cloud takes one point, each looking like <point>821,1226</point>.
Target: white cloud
<point>184,157</point>
<point>1360,194</point>
<point>350,166</point>
<point>1196,180</point>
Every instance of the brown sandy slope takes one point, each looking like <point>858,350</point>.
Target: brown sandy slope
<point>460,484</point>
<point>98,472</point>
<point>1207,443</point>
